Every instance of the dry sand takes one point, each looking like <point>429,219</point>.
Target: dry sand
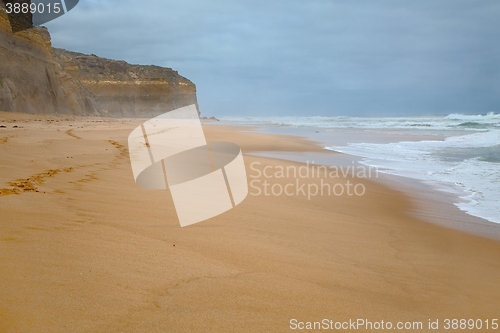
<point>83,249</point>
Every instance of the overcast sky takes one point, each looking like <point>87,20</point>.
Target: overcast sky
<point>305,57</point>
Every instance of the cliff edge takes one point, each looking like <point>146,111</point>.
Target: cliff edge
<point>36,78</point>
<point>122,89</point>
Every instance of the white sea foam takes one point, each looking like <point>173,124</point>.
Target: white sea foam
<point>466,163</point>
<point>487,117</point>
<point>452,121</point>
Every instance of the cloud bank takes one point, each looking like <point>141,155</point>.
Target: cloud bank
<point>297,57</point>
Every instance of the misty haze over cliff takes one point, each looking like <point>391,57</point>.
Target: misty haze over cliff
<point>300,57</point>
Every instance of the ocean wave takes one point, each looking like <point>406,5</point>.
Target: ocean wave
<point>451,122</point>
<point>491,116</point>
<point>474,124</point>
<point>468,163</point>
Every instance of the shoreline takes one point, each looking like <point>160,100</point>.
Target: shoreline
<point>92,251</point>
<point>436,205</point>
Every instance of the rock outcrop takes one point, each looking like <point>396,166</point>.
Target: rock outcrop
<point>122,89</point>
<point>30,81</point>
<point>35,78</point>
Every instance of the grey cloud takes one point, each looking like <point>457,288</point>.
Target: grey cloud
<point>316,57</point>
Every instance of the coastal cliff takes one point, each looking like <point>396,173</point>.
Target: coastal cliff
<point>36,78</point>
<point>122,89</point>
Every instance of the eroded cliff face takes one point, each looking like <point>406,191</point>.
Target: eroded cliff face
<point>35,78</point>
<point>122,89</point>
<point>30,81</point>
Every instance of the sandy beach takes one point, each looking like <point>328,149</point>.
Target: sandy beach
<point>84,249</point>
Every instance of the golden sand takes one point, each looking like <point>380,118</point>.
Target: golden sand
<point>83,249</point>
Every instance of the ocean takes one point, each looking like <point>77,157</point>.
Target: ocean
<point>458,154</point>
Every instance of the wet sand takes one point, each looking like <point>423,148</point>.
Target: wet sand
<point>83,249</point>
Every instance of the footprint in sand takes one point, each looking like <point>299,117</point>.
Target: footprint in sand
<point>30,184</point>
<point>5,139</point>
<point>70,133</point>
